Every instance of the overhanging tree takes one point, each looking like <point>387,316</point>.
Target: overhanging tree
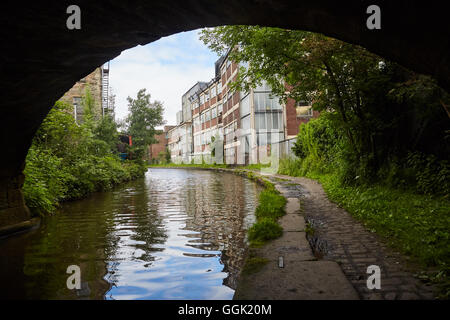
<point>369,98</point>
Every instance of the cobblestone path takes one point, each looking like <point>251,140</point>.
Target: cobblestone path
<point>339,237</point>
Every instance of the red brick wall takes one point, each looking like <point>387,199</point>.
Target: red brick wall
<point>155,149</point>
<point>292,122</point>
<point>291,118</point>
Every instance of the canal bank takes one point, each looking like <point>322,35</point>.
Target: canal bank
<point>174,234</point>
<point>287,268</point>
<point>333,261</point>
<point>335,236</point>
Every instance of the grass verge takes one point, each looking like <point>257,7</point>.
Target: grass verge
<point>270,207</point>
<point>415,224</point>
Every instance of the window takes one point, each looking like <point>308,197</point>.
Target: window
<point>214,113</point>
<point>263,139</point>
<point>302,103</point>
<point>243,94</point>
<point>263,87</point>
<point>219,87</point>
<point>219,109</point>
<point>202,99</point>
<point>77,108</point>
<point>304,109</point>
<point>76,101</point>
<point>197,140</point>
<point>197,121</point>
<point>268,121</point>
<point>264,102</point>
<point>245,106</point>
<point>229,133</point>
<point>207,95</point>
<point>208,115</point>
<point>202,118</point>
<point>245,123</point>
<point>228,63</point>
<point>260,121</point>
<point>213,91</point>
<point>277,121</point>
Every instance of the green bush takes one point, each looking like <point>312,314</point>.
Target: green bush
<point>431,175</point>
<point>263,230</point>
<point>271,205</point>
<point>67,161</point>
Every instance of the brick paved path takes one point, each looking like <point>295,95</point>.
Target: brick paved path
<point>339,237</point>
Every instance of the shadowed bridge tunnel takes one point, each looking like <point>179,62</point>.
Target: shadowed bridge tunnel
<point>41,59</point>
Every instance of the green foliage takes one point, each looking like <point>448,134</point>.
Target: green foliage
<point>144,116</point>
<point>264,230</point>
<point>271,205</point>
<point>69,161</point>
<point>106,131</point>
<point>44,184</point>
<point>381,144</point>
<point>372,110</point>
<point>321,148</point>
<point>431,175</point>
<point>416,224</point>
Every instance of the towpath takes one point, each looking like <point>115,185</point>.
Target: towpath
<point>331,262</point>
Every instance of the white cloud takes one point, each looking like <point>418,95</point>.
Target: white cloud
<point>166,68</point>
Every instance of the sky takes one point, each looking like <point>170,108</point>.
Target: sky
<point>167,68</point>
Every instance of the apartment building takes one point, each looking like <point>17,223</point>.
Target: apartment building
<point>241,127</point>
<point>180,142</point>
<point>207,119</point>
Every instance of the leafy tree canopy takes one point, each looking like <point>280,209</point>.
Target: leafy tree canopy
<point>375,102</point>
<point>142,120</point>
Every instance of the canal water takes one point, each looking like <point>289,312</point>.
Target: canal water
<point>175,234</point>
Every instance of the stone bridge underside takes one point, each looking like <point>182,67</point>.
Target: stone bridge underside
<point>41,59</point>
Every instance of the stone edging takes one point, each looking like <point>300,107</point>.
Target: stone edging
<point>19,227</point>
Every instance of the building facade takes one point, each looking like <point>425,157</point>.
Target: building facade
<point>180,143</point>
<point>235,127</point>
<point>162,145</point>
<point>97,83</point>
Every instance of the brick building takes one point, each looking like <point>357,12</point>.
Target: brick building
<point>242,127</point>
<point>162,144</point>
<point>97,83</point>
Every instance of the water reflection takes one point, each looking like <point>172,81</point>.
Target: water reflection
<point>177,234</point>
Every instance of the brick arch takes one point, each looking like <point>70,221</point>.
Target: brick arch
<point>41,59</point>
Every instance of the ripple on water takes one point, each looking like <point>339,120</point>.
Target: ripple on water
<point>176,234</point>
